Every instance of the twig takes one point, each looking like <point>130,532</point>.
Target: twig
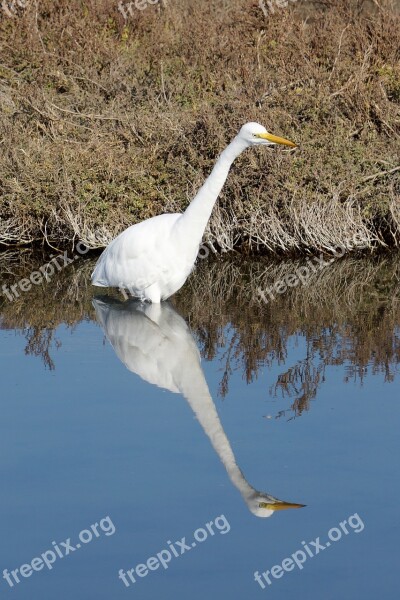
<point>78,114</point>
<point>338,52</point>
<point>380,174</point>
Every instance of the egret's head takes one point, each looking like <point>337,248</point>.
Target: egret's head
<point>264,505</point>
<point>255,134</point>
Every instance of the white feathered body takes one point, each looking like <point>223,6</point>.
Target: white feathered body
<point>151,259</point>
<point>154,258</point>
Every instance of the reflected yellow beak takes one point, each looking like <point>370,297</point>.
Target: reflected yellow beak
<point>275,139</point>
<point>281,505</point>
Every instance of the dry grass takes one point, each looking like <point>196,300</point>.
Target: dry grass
<point>105,122</point>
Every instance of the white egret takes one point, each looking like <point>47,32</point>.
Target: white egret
<point>154,342</point>
<point>153,259</point>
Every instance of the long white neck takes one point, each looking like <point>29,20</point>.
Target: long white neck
<point>195,218</point>
<point>195,390</point>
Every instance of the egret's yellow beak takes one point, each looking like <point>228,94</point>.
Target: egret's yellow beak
<point>281,505</point>
<point>275,139</point>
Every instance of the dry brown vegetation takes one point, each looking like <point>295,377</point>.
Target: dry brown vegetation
<point>348,314</point>
<point>106,121</point>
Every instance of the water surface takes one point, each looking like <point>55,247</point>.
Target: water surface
<point>154,421</point>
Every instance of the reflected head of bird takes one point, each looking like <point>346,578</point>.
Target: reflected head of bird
<point>263,505</point>
<point>254,134</point>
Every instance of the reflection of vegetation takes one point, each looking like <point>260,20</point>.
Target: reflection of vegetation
<point>39,342</point>
<point>300,381</point>
<point>349,314</point>
<point>66,299</point>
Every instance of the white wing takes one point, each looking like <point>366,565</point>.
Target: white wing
<point>137,257</point>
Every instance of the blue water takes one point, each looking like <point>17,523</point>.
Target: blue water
<point>92,441</point>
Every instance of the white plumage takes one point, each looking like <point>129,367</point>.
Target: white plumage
<point>153,259</point>
<point>146,259</point>
<point>155,342</point>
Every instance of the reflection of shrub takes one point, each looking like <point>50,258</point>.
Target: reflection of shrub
<point>348,315</point>
<point>106,121</point>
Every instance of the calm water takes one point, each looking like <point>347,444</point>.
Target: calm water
<point>153,422</point>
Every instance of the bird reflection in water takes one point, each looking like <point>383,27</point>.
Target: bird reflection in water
<point>154,342</point>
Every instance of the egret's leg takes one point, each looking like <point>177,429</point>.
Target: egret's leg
<point>153,293</point>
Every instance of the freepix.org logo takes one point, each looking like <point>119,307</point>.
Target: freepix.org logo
<point>308,550</point>
<point>175,550</point>
<point>58,551</point>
